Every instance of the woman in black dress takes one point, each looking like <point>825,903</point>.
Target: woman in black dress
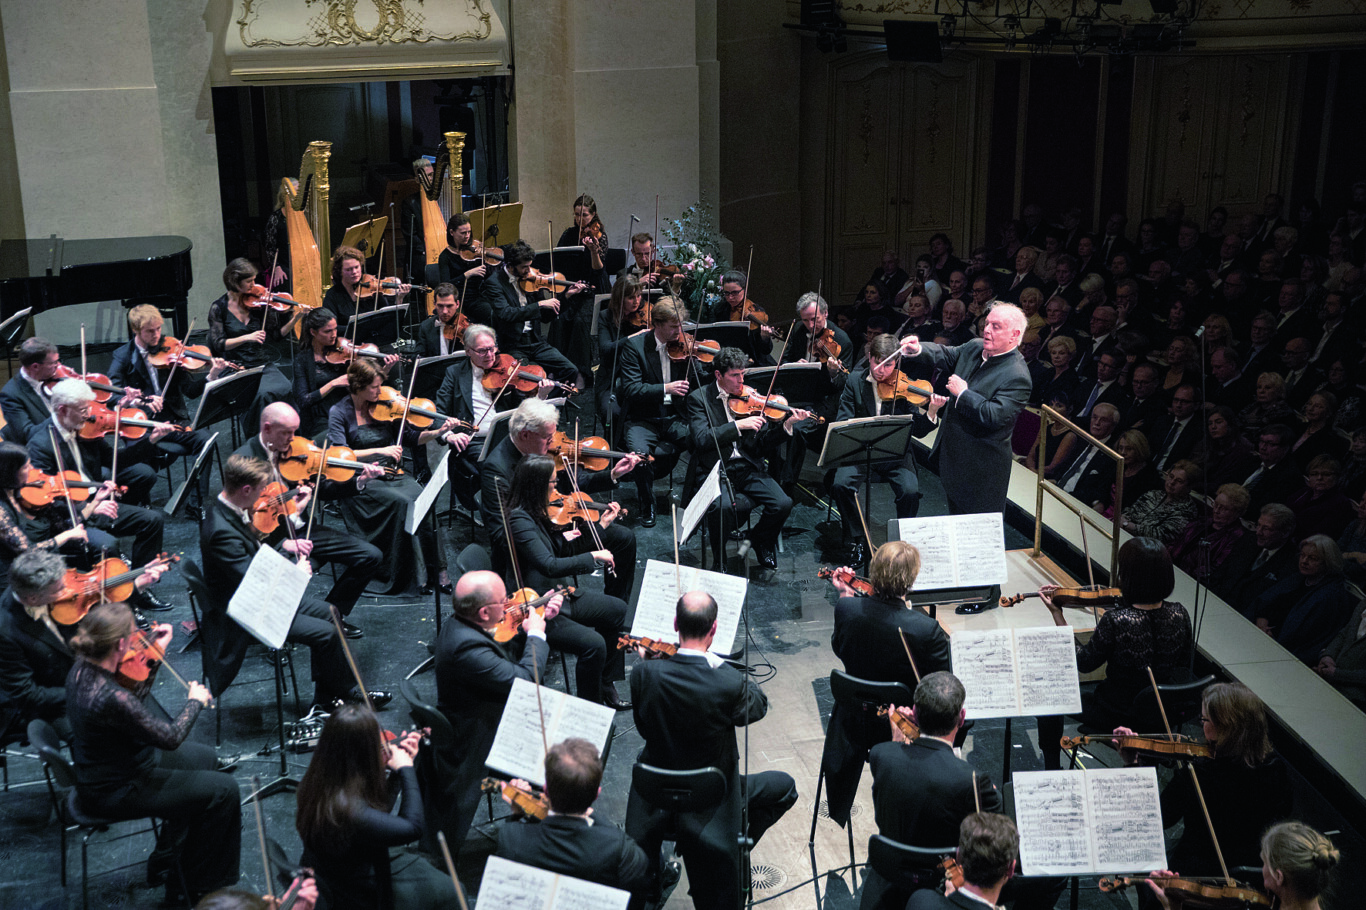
<point>380,510</point>
<point>467,275</point>
<point>131,764</point>
<point>1143,630</point>
<point>318,383</point>
<point>571,333</point>
<point>348,297</point>
<point>619,322</point>
<point>252,337</point>
<point>344,819</point>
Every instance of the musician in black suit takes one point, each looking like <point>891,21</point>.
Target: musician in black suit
<point>813,321</point>
<point>988,846</point>
<point>23,400</point>
<point>743,444</point>
<point>921,790</point>
<point>860,398</point>
<point>517,315</point>
<point>1259,560</point>
<point>653,389</point>
<point>228,543</point>
<point>474,676</point>
<point>868,639</point>
<point>686,709</point>
<point>35,656</point>
<point>431,342</point>
<point>570,841</point>
<point>462,395</point>
<point>356,560</point>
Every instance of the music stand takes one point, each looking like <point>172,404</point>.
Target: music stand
<point>434,367</point>
<point>366,235</point>
<point>496,225</point>
<point>867,439</point>
<point>227,397</point>
<point>201,463</point>
<point>368,325</point>
<point>730,334</point>
<point>498,429</point>
<point>10,330</point>
<point>600,304</point>
<point>796,381</point>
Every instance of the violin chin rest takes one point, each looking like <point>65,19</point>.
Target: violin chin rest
<point>974,609</point>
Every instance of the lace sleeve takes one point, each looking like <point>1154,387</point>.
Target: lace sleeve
<point>123,709</point>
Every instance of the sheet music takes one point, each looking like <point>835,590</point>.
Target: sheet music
<point>706,494</point>
<point>957,551</point>
<point>1096,822</point>
<point>518,749</point>
<point>1017,672</point>
<point>265,602</point>
<point>658,603</point>
<point>418,508</point>
<point>514,886</point>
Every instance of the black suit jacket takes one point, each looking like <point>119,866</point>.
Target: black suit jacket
<point>227,546</point>
<point>641,383</point>
<point>1088,352</point>
<point>1097,477</point>
<point>1302,323</point>
<point>600,852</point>
<point>1238,584</point>
<point>95,453</point>
<point>34,664</point>
<point>429,339</point>
<point>128,368</point>
<point>930,899</point>
<point>498,298</point>
<point>1115,394</point>
<point>455,398</point>
<point>23,408</point>
<point>1010,294</point>
<point>713,431</point>
<point>1185,443</point>
<point>1278,484</point>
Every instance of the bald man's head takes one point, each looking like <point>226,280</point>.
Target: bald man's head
<point>279,424</point>
<point>476,590</point>
<point>695,618</point>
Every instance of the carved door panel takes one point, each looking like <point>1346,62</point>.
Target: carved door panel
<point>1249,127</point>
<point>1183,98</point>
<point>937,165</point>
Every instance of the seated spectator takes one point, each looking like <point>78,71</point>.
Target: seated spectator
<point>1343,662</point>
<point>1031,301</point>
<point>1354,468</point>
<point>1057,377</point>
<point>1176,320</point>
<point>1218,332</point>
<point>1061,445</point>
<point>1322,506</point>
<point>1204,546</point>
<point>1139,474</point>
<point>1163,513</point>
<point>1183,363</point>
<point>1030,346</point>
<point>1305,610</point>
<point>1318,436</point>
<point>1352,543</point>
<point>1268,407</point>
<point>1224,456</point>
<point>1340,379</point>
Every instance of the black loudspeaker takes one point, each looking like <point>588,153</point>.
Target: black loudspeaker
<point>912,42</point>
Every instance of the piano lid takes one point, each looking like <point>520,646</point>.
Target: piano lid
<point>49,273</point>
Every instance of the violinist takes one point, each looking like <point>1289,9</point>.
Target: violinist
<point>251,333</point>
<point>815,339</point>
<point>356,560</point>
<point>863,397</point>
<point>380,509</point>
<point>437,335</point>
<point>228,543</point>
<point>517,314</point>
<point>588,232</point>
<point>988,851</point>
<point>652,390</point>
<point>93,459</point>
<point>643,265</point>
<point>625,318</point>
<point>454,268</point>
<point>320,375</point>
<point>743,443</point>
<point>588,624</point>
<point>132,764</point>
<point>21,528</point>
<point>24,400</point>
<point>867,639</point>
<point>350,295</point>
<point>163,395</point>
<point>463,396</point>
<point>1143,630</point>
<point>734,305</point>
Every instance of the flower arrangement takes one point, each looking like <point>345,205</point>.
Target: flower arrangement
<point>692,243</point>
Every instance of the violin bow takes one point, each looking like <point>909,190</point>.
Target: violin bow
<point>350,658</point>
<point>261,834</point>
<point>170,377</point>
<point>914,669</point>
<point>289,525</point>
<point>678,571</point>
<point>83,363</point>
<point>866,536</point>
<point>104,576</point>
<point>572,474</point>
<point>61,472</point>
<point>1157,694</point>
<point>550,239</point>
<point>317,494</point>
<point>654,243</point>
<point>403,423</point>
<point>146,643</point>
<point>517,574</point>
<point>118,431</point>
<point>1214,838</point>
<point>1095,614</point>
<point>976,797</point>
<point>450,868</point>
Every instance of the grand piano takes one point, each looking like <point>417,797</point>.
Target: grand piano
<point>41,275</point>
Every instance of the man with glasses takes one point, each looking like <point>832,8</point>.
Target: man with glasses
<point>1149,404</point>
<point>759,341</point>
<point>1301,378</point>
<point>1174,438</point>
<point>1277,478</point>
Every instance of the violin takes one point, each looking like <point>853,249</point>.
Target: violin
<point>826,347</point>
<point>755,315</point>
<point>344,351</point>
<point>533,804</point>
<point>304,459</point>
<point>1208,892</point>
<point>259,297</point>
<point>565,509</point>
<point>539,281</point>
<point>1148,745</point>
<point>774,407</point>
<point>908,727</point>
<point>132,422</point>
<point>952,871</point>
<point>172,351</point>
<point>519,605</point>
<point>686,346</point>
<point>591,453</point>
<point>492,256</point>
<point>274,503</point>
<point>454,331</point>
<point>98,382</point>
<point>846,575</point>
<point>641,319</point>
<point>653,647</point>
<point>592,235</point>
<point>139,664</point>
<point>110,580</point>
<point>41,490</point>
<point>899,385</point>
<point>525,378</point>
<point>391,406</point>
<point>369,284</point>
<point>1084,596</point>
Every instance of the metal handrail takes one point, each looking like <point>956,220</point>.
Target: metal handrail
<point>1085,514</point>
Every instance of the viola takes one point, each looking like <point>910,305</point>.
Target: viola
<point>641,319</point>
<point>774,407</point>
<point>172,351</point>
<point>259,297</point>
<point>533,804</point>
<point>899,385</point>
<point>908,727</point>
<point>132,423</point>
<point>825,347</point>
<point>1215,893</point>
<point>1085,596</point>
<point>539,281</point>
<point>492,256</point>
<point>369,284</point>
<point>591,453</point>
<point>519,605</point>
<point>98,382</point>
<point>1159,746</point>
<point>345,352</point>
<point>688,346</point>
<point>755,315</point>
<point>41,490</point>
<point>846,575</point>
<point>653,647</point>
<point>274,503</point>
<point>421,412</point>
<point>304,460</point>
<point>524,378</point>
<point>566,508</point>
<point>110,580</point>
<point>139,664</point>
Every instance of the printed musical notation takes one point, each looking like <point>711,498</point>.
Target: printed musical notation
<point>1017,672</point>
<point>1089,822</point>
<point>957,551</point>
<point>518,749</point>
<point>514,886</point>
<point>658,602</point>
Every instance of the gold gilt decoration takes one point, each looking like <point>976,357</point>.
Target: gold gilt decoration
<point>1249,111</point>
<point>891,6</point>
<point>1183,115</point>
<point>348,22</point>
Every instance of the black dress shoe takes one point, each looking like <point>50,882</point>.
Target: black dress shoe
<point>378,697</point>
<point>427,589</point>
<point>647,515</point>
<point>352,632</point>
<point>228,762</point>
<point>611,699</point>
<point>768,558</point>
<point>149,602</point>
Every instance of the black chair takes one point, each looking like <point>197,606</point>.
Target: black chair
<point>474,558</point>
<point>906,869</point>
<point>677,793</point>
<point>1181,701</point>
<point>855,696</point>
<point>66,804</point>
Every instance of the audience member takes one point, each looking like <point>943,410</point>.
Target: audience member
<point>1204,545</point>
<point>1305,610</point>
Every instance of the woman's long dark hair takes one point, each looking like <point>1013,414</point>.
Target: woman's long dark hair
<point>1145,571</point>
<point>13,457</point>
<point>530,486</point>
<point>346,774</point>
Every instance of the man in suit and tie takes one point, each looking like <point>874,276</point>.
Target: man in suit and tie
<point>1229,387</point>
<point>1024,276</point>
<point>431,337</point>
<point>1175,437</point>
<point>1259,560</point>
<point>1263,354</point>
<point>988,845</point>
<point>1301,377</point>
<point>654,392</point>
<point>1271,221</point>
<point>1148,405</point>
<point>1278,477</point>
<point>517,314</point>
<point>686,709</point>
<point>1294,319</point>
<point>23,400</point>
<point>1113,240</point>
<point>1104,389</point>
<point>1090,474</point>
<point>1102,331</point>
<point>1064,282</point>
<point>570,841</point>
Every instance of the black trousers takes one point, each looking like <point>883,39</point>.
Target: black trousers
<point>145,526</point>
<point>542,353</point>
<point>462,469</point>
<point>752,488</point>
<point>588,627</point>
<point>200,809</point>
<point>665,439</point>
<point>355,557</point>
<point>898,475</point>
<point>313,627</point>
<point>138,478</point>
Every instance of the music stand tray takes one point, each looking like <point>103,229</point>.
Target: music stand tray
<point>366,235</point>
<point>201,464</point>
<point>497,424</point>
<point>498,224</point>
<point>867,440</point>
<point>368,325</point>
<point>227,397</point>
<point>434,367</point>
<point>796,381</point>
<point>730,334</point>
